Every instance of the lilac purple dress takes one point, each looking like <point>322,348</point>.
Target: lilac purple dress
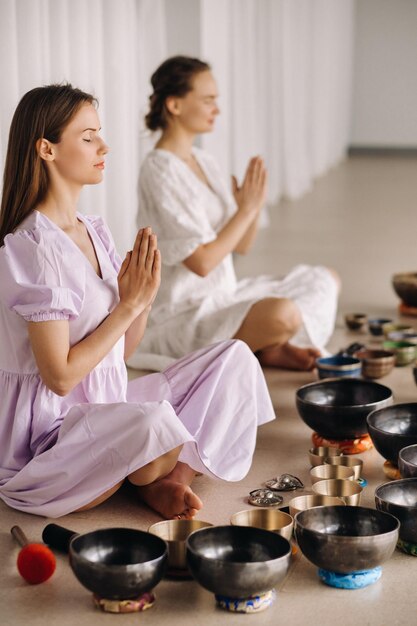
<point>58,453</point>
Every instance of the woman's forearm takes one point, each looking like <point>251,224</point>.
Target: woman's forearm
<point>248,238</point>
<point>62,367</point>
<point>135,332</point>
<point>207,256</point>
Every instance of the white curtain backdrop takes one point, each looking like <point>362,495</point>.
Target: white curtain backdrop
<point>105,47</point>
<point>283,68</point>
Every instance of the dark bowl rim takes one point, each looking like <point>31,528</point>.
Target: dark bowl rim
<point>343,381</point>
<point>395,482</point>
<point>380,354</point>
<point>115,568</point>
<point>228,527</point>
<point>297,523</point>
<point>392,406</point>
<point>406,461</point>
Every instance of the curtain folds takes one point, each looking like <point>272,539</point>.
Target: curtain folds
<point>283,68</point>
<point>284,72</point>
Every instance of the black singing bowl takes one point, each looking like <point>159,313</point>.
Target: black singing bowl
<point>114,563</point>
<point>237,561</point>
<point>393,428</point>
<point>399,497</point>
<point>346,539</point>
<point>336,408</point>
<point>407,461</point>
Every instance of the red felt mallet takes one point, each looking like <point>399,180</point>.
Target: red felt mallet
<point>35,562</point>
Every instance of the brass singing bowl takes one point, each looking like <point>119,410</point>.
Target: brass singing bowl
<point>349,491</point>
<point>347,461</point>
<point>268,519</point>
<point>317,455</point>
<point>327,472</point>
<point>302,503</point>
<point>175,533</point>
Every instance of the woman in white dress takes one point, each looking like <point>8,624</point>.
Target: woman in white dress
<point>200,222</point>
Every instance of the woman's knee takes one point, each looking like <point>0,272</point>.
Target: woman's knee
<point>286,316</point>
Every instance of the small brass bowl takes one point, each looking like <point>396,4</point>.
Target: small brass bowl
<point>376,363</point>
<point>268,519</point>
<point>405,351</point>
<point>175,533</point>
<point>327,472</point>
<point>348,490</point>
<point>317,455</point>
<point>355,321</point>
<point>302,503</point>
<point>392,328</point>
<point>348,461</point>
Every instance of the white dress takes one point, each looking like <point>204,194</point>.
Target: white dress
<point>192,311</point>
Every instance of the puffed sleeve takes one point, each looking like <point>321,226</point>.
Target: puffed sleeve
<point>171,206</point>
<point>106,238</point>
<point>39,279</point>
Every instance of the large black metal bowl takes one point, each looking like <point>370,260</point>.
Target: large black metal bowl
<point>118,563</point>
<point>346,539</point>
<point>393,428</point>
<point>399,497</point>
<point>337,408</point>
<point>237,561</point>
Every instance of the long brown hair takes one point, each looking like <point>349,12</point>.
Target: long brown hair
<point>43,112</point>
<point>172,78</point>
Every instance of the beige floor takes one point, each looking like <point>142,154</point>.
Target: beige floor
<point>360,219</point>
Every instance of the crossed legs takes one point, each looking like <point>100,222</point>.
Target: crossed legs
<point>164,484</point>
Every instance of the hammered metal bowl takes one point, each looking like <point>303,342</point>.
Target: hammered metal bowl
<point>399,497</point>
<point>346,539</point>
<point>393,428</point>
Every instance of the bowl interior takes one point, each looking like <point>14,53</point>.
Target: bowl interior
<point>118,547</point>
<point>409,455</point>
<point>401,493</point>
<point>237,544</point>
<point>268,519</point>
<point>346,521</point>
<point>343,393</point>
<point>400,419</point>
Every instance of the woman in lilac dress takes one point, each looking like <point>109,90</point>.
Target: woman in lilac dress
<point>72,428</point>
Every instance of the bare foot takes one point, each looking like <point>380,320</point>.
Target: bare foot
<point>171,499</point>
<point>289,357</point>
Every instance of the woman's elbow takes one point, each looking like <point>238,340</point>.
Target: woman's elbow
<point>58,386</point>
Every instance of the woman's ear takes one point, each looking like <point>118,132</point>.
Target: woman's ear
<point>172,105</point>
<point>45,149</point>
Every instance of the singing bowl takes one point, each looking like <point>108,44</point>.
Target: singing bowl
<point>393,428</point>
<point>349,491</point>
<point>318,454</point>
<point>376,325</point>
<point>338,366</point>
<point>237,561</point>
<point>405,286</point>
<point>118,563</point>
<point>347,461</point>
<point>355,321</point>
<point>302,503</point>
<point>268,519</point>
<point>399,497</point>
<point>336,408</point>
<point>407,461</point>
<point>404,351</point>
<point>346,539</point>
<point>327,472</point>
<point>376,363</point>
<point>175,532</point>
